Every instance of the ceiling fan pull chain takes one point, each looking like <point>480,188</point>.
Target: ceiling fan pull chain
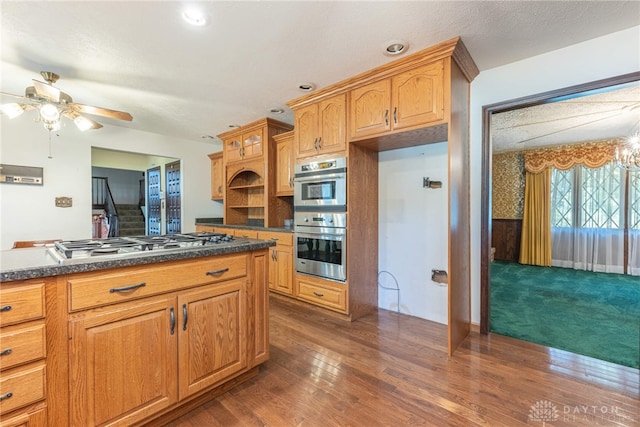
<point>50,156</point>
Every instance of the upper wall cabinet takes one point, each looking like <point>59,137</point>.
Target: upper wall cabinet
<point>250,172</point>
<point>246,144</point>
<point>217,176</point>
<point>321,127</point>
<point>413,98</point>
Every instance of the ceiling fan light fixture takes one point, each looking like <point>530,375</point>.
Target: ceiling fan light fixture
<point>49,113</point>
<point>12,110</point>
<point>82,123</point>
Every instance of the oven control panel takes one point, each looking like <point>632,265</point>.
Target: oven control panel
<point>320,219</point>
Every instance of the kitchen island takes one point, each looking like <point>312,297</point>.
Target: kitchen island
<point>130,340</point>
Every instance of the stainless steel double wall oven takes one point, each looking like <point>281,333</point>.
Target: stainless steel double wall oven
<point>320,218</point>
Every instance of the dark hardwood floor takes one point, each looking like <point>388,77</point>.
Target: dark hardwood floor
<point>388,369</point>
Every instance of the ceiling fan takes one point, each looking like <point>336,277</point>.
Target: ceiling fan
<point>52,104</point>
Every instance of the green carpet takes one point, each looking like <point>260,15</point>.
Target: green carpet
<point>593,314</point>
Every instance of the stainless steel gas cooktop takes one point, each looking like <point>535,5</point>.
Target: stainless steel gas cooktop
<point>116,247</point>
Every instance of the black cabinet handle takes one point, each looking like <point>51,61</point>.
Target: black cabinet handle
<point>5,396</point>
<point>318,294</point>
<point>172,316</point>
<point>6,352</point>
<point>185,315</point>
<point>128,288</point>
<point>217,272</point>
<point>5,308</point>
<point>395,115</point>
<point>386,117</point>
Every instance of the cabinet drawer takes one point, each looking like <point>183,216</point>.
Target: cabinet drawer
<point>21,303</point>
<point>279,238</point>
<point>21,344</point>
<point>95,289</point>
<point>22,387</point>
<point>246,234</point>
<point>325,295</point>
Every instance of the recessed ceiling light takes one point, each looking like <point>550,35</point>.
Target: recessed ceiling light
<point>195,17</point>
<point>208,137</point>
<point>306,87</point>
<point>234,126</point>
<point>396,47</point>
<point>276,110</point>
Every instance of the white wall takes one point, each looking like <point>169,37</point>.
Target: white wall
<point>413,230</point>
<point>604,57</point>
<point>28,212</point>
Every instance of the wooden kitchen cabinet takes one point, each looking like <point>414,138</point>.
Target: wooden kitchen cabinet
<point>135,356</point>
<point>217,176</point>
<point>281,267</point>
<point>324,293</point>
<point>123,362</point>
<point>285,163</point>
<point>321,128</point>
<point>245,144</point>
<point>410,99</point>
<point>211,335</point>
<point>23,352</point>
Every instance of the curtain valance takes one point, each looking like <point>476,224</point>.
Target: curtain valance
<point>589,154</point>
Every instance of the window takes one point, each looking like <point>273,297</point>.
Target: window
<point>582,197</point>
<point>588,209</point>
<point>634,200</point>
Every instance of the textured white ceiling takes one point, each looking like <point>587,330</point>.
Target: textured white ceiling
<point>603,115</point>
<point>141,57</point>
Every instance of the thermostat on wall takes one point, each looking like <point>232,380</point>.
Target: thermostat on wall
<point>12,174</point>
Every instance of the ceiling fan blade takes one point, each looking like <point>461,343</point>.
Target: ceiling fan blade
<point>12,95</point>
<point>98,111</point>
<point>83,123</point>
<point>47,91</point>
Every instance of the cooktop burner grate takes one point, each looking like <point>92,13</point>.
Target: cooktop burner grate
<point>114,245</point>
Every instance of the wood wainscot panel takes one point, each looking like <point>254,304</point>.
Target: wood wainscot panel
<point>505,238</point>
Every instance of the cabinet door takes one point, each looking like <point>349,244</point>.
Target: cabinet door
<point>233,149</point>
<point>307,132</point>
<point>418,96</point>
<point>258,309</point>
<point>332,122</point>
<point>284,270</point>
<point>252,143</point>
<point>369,112</point>
<point>212,329</point>
<point>284,167</point>
<point>217,178</point>
<point>123,362</point>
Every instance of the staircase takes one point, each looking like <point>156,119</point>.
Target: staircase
<point>131,220</point>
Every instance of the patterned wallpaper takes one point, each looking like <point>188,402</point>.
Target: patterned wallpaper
<point>508,185</point>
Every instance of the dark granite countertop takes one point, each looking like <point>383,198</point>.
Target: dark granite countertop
<point>30,263</point>
<point>203,221</point>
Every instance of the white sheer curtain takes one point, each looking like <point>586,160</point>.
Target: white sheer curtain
<point>588,216</point>
<point>634,253</point>
<point>593,249</point>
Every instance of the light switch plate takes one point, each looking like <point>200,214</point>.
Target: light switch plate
<point>64,202</point>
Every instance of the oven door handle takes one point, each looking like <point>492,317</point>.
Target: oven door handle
<point>315,178</point>
<point>322,236</point>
